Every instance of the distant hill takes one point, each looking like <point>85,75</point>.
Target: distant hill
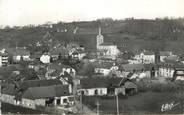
<point>131,34</point>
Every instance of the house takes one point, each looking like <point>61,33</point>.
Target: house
<point>36,56</point>
<point>104,49</point>
<point>139,70</point>
<point>59,70</point>
<point>124,86</point>
<point>66,78</point>
<point>145,57</point>
<point>104,68</point>
<point>36,65</point>
<point>33,94</point>
<point>173,58</point>
<point>18,54</point>
<point>167,69</point>
<point>3,58</point>
<point>45,58</point>
<point>134,61</point>
<point>181,58</point>
<point>92,87</point>
<point>78,54</point>
<point>59,52</point>
<point>106,86</point>
<point>57,95</point>
<point>8,93</point>
<point>178,74</point>
<point>164,54</point>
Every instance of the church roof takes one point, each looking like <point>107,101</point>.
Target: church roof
<point>148,53</point>
<point>107,44</point>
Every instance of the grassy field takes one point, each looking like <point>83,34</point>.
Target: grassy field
<point>142,103</point>
<point>8,108</point>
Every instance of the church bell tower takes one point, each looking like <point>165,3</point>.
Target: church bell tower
<point>99,38</point>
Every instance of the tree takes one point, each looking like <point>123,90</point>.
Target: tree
<point>28,74</point>
<point>23,63</point>
<point>87,68</point>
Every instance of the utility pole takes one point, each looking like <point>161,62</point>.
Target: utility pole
<point>0,97</point>
<point>117,103</point>
<point>97,104</point>
<point>81,103</point>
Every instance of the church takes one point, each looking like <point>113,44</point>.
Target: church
<point>106,50</point>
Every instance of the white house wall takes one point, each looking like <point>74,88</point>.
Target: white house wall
<point>91,91</point>
<point>103,71</point>
<point>45,59</point>
<point>8,99</point>
<point>146,59</point>
<point>149,59</point>
<point>28,103</point>
<point>69,70</point>
<point>180,78</point>
<point>166,72</point>
<point>162,58</point>
<point>120,90</point>
<point>18,57</point>
<point>1,61</point>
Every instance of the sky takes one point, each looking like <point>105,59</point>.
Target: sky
<point>25,12</point>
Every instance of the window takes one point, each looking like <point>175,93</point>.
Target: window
<point>96,92</point>
<point>101,91</point>
<point>87,92</point>
<point>65,100</point>
<point>58,101</point>
<point>82,92</point>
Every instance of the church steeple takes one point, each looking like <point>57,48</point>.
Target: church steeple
<point>99,38</point>
<point>99,31</point>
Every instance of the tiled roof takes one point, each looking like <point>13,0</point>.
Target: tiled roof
<point>3,54</point>
<point>55,73</point>
<point>11,68</point>
<point>130,84</point>
<point>171,65</point>
<point>79,50</point>
<point>56,66</point>
<point>107,44</point>
<point>106,65</point>
<point>46,92</point>
<point>18,51</point>
<point>149,66</point>
<point>131,67</point>
<point>39,83</point>
<point>172,58</point>
<point>165,53</point>
<point>36,55</point>
<point>145,53</point>
<point>58,51</point>
<point>106,82</point>
<point>137,67</point>
<point>99,82</point>
<point>148,53</point>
